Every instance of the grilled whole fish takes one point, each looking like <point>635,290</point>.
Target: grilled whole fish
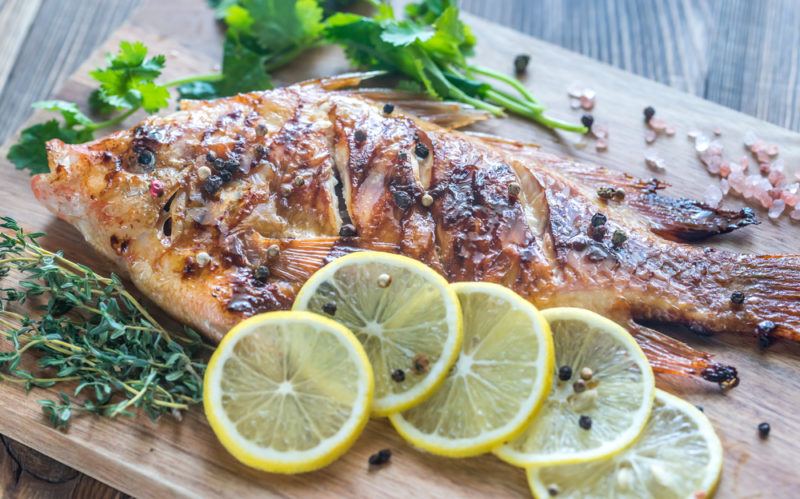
<point>223,209</point>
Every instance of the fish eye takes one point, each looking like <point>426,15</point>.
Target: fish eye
<point>146,158</point>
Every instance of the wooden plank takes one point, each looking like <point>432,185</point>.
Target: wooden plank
<point>16,17</point>
<point>62,36</point>
<point>742,54</point>
<point>184,459</point>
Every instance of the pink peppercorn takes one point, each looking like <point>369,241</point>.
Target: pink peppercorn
<point>156,189</point>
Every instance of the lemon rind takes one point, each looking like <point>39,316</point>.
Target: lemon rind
<point>438,371</point>
<point>709,486</point>
<point>277,462</point>
<point>609,449</point>
<point>469,447</point>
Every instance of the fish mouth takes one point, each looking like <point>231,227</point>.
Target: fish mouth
<point>55,190</point>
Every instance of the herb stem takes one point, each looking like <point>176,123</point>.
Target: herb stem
<point>511,81</point>
<point>191,79</point>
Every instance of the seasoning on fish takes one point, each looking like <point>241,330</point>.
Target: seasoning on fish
<point>536,244</point>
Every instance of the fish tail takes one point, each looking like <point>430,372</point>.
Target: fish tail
<point>670,356</point>
<point>764,295</point>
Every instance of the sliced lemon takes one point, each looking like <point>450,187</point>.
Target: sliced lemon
<point>403,312</point>
<point>288,392</point>
<point>590,418</point>
<point>500,380</point>
<point>678,455</point>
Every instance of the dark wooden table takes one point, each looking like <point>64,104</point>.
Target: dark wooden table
<point>744,54</point>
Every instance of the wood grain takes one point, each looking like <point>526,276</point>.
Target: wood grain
<point>739,53</point>
<point>184,459</point>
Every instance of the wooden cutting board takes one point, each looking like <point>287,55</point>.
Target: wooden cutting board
<point>184,459</point>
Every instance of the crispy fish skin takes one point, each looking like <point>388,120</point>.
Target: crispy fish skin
<point>223,210</point>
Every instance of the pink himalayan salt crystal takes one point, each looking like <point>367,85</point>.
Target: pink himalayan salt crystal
<point>776,209</point>
<point>701,143</point>
<point>586,103</point>
<point>713,196</point>
<point>791,195</point>
<point>763,156</point>
<point>772,149</point>
<point>575,89</point>
<point>750,138</point>
<point>574,103</point>
<point>795,214</point>
<point>650,136</point>
<point>758,145</point>
<point>713,164</point>
<point>724,186</point>
<point>657,124</point>
<point>670,131</point>
<point>654,161</point>
<point>600,131</point>
<point>765,199</point>
<point>764,168</point>
<point>775,193</point>
<point>693,134</point>
<point>717,131</point>
<point>601,145</point>
<point>776,177</point>
<point>736,181</point>
<point>725,169</point>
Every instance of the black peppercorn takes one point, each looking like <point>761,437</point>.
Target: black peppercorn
<point>421,150</point>
<point>398,375</point>
<point>226,176</point>
<point>521,63</point>
<point>380,458</point>
<point>618,238</point>
<point>388,108</point>
<point>402,199</point>
<point>261,273</point>
<point>599,219</point>
<point>212,184</point>
<point>587,120</point>
<point>764,333</point>
<point>649,112</point>
<point>360,136</point>
<point>347,230</point>
<point>763,430</point>
<point>737,297</point>
<point>585,422</point>
<point>564,373</point>
<point>329,308</point>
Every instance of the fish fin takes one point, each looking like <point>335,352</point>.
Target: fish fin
<point>771,288</point>
<point>344,80</point>
<point>670,356</point>
<point>298,259</point>
<point>446,114</point>
<point>506,145</point>
<point>682,219</point>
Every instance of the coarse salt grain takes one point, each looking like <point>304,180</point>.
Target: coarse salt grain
<point>776,209</point>
<point>701,143</point>
<point>601,145</point>
<point>574,103</point>
<point>713,196</point>
<point>655,162</point>
<point>750,138</point>
<point>670,131</point>
<point>724,186</point>
<point>649,136</point>
<point>795,214</point>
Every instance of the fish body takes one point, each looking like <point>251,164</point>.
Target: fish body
<point>223,209</point>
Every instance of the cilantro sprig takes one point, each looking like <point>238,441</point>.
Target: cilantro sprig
<point>126,84</point>
<point>432,47</point>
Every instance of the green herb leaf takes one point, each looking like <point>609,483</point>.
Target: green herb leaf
<point>90,331</point>
<point>127,82</point>
<point>197,90</point>
<point>30,152</point>
<point>69,111</point>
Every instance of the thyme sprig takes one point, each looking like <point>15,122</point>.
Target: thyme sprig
<point>88,329</point>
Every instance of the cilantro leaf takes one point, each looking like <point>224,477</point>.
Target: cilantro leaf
<point>197,90</point>
<point>69,110</point>
<point>242,70</point>
<point>401,34</point>
<point>127,82</point>
<point>30,152</point>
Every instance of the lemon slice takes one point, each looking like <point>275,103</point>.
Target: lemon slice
<point>501,378</point>
<point>591,418</point>
<point>403,312</point>
<point>678,455</point>
<point>288,392</point>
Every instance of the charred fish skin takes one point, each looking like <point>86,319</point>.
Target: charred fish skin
<point>224,209</point>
